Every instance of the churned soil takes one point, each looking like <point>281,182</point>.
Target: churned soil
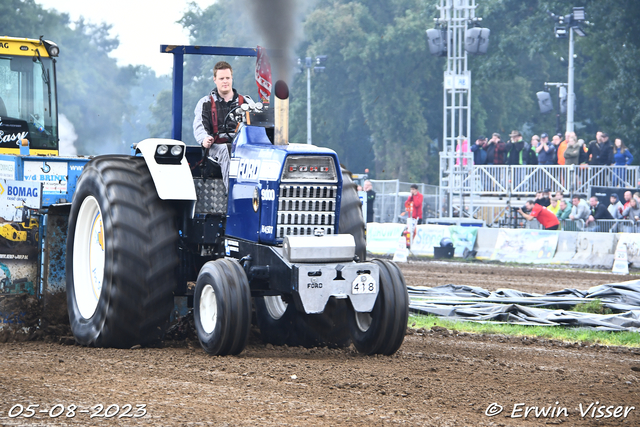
<point>439,377</point>
<point>493,276</point>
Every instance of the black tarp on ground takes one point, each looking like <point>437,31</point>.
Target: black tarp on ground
<point>552,309</point>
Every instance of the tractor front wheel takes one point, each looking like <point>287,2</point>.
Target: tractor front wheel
<point>222,307</point>
<point>382,331</point>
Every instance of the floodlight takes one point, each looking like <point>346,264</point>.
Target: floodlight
<point>579,31</point>
<point>561,31</point>
<point>544,102</point>
<point>437,41</point>
<point>578,14</point>
<point>562,95</point>
<point>476,40</point>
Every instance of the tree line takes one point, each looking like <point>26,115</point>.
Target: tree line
<point>379,101</point>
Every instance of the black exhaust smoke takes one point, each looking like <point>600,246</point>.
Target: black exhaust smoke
<point>277,22</point>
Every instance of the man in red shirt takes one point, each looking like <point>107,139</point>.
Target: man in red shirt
<point>413,205</point>
<point>544,216</point>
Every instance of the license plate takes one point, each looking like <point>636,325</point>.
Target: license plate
<point>364,284</point>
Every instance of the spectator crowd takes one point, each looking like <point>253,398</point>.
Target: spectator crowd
<point>564,149</point>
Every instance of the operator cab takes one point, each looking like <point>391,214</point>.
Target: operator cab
<point>248,114</point>
<point>28,98</point>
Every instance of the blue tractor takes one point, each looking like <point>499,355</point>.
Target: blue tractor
<point>283,247</point>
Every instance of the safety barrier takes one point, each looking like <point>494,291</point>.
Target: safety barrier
<point>384,239</point>
<point>611,226</point>
<point>486,242</point>
<point>599,226</point>
<point>566,248</point>
<point>632,241</point>
<point>572,225</point>
<point>595,250</point>
<point>584,249</point>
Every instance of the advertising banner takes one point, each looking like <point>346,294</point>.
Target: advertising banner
<point>382,239</point>
<point>525,246</point>
<point>428,236</point>
<point>7,169</point>
<point>52,174</point>
<point>463,238</point>
<point>15,196</point>
<point>19,236</point>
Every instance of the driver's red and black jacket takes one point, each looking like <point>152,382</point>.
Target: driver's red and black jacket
<point>208,121</point>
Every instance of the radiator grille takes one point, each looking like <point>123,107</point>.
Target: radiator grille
<point>305,208</point>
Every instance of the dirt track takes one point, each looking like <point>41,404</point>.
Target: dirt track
<point>439,377</point>
<point>494,276</point>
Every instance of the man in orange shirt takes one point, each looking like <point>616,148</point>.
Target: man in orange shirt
<point>562,147</point>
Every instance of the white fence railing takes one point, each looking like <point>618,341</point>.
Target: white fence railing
<point>526,180</point>
<point>457,173</point>
<point>599,226</point>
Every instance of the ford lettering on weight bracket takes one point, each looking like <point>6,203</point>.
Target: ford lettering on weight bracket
<point>314,284</point>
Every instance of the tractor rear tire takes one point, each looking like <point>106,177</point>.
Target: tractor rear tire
<point>382,331</point>
<point>222,307</point>
<point>121,255</point>
<point>351,219</point>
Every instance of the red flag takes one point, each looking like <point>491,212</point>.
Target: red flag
<point>263,75</point>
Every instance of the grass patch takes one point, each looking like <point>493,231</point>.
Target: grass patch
<point>594,307</point>
<point>559,333</point>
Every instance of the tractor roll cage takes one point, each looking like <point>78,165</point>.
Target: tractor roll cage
<point>178,68</point>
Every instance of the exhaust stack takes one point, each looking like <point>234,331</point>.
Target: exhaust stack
<point>281,113</point>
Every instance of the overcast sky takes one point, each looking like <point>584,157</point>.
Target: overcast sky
<point>141,26</point>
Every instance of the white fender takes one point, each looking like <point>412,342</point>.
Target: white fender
<point>173,182</point>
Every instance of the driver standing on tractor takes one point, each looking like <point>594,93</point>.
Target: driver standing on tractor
<point>209,122</point>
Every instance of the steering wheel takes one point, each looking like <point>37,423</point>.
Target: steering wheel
<point>224,123</point>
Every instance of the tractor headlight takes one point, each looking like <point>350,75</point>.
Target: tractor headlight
<point>169,154</point>
<point>176,150</point>
<point>162,150</point>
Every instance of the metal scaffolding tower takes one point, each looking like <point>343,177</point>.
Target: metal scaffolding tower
<point>455,16</point>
